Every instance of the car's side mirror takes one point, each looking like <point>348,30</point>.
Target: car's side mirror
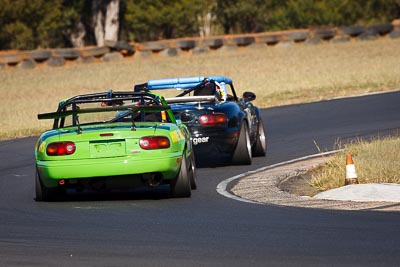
<point>249,96</point>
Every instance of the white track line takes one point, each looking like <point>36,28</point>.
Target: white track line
<point>365,94</point>
<point>222,186</point>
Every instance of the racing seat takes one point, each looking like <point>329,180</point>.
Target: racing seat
<point>209,89</point>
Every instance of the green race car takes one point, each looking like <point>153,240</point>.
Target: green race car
<point>112,141</point>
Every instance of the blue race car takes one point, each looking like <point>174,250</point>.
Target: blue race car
<point>225,129</point>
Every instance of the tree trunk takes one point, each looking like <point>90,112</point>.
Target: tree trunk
<point>112,21</point>
<point>205,24</point>
<point>77,39</point>
<point>206,17</point>
<point>105,20</point>
<point>98,21</point>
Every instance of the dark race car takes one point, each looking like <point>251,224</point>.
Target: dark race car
<point>225,129</point>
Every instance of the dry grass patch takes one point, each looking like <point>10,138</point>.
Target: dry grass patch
<point>376,161</point>
<point>278,75</point>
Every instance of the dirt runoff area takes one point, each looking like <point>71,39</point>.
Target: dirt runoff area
<point>287,186</point>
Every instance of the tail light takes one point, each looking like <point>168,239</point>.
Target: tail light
<point>154,142</point>
<point>60,149</point>
<point>213,119</point>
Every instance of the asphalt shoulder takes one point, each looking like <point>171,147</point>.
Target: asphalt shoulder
<point>287,186</point>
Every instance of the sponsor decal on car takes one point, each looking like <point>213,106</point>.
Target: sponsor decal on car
<point>42,146</point>
<point>198,140</point>
<point>177,135</point>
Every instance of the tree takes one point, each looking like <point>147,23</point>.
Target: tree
<point>157,19</point>
<point>36,24</point>
<point>27,24</point>
<point>241,16</point>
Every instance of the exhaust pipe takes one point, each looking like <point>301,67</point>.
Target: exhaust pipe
<point>153,179</point>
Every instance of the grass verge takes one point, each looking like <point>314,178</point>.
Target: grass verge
<point>376,161</point>
<point>279,75</point>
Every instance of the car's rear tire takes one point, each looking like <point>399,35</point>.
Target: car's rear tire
<point>46,194</point>
<point>242,154</point>
<point>192,172</point>
<point>260,146</point>
<point>180,186</point>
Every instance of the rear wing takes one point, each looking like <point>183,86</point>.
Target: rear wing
<point>131,102</point>
<point>130,107</point>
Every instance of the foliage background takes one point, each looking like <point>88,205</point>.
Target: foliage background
<point>37,24</point>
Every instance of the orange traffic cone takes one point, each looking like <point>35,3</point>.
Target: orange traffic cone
<point>351,175</point>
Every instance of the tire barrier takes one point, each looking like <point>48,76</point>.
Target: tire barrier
<point>313,40</point>
<point>200,50</point>
<point>11,59</point>
<point>297,36</point>
<point>171,52</point>
<point>341,39</point>
<point>324,34</point>
<point>270,39</point>
<point>381,29</point>
<point>119,50</point>
<point>243,41</point>
<point>185,45</point>
<point>27,64</point>
<point>121,46</point>
<point>352,31</point>
<point>113,56</point>
<point>213,43</point>
<point>154,46</point>
<point>95,51</point>
<point>39,55</point>
<point>68,54</point>
<point>86,59</point>
<point>56,61</point>
<point>395,34</point>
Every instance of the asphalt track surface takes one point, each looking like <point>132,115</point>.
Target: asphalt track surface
<point>150,229</point>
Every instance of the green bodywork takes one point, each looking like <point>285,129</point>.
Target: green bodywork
<point>111,149</point>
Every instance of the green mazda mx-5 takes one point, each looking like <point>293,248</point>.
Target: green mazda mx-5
<point>112,141</point>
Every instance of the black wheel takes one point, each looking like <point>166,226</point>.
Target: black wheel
<point>180,187</point>
<point>242,154</point>
<point>46,194</point>
<point>260,146</point>
<point>192,172</point>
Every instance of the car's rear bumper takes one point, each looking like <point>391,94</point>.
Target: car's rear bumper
<point>51,172</point>
<point>214,147</point>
